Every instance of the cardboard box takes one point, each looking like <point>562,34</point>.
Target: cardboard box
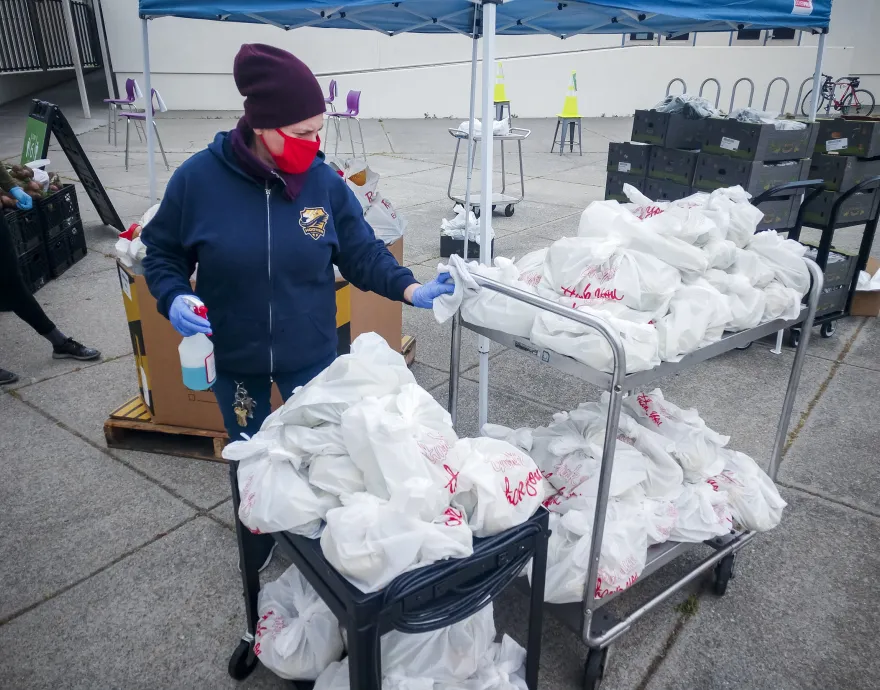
<point>664,190</point>
<point>757,142</point>
<point>674,165</point>
<point>842,173</point>
<point>671,130</point>
<point>867,303</point>
<point>614,185</point>
<point>154,342</point>
<point>849,137</point>
<point>714,172</point>
<point>859,208</point>
<point>629,158</point>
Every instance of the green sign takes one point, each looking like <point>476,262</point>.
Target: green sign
<point>35,140</point>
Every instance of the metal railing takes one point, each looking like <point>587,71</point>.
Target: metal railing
<point>784,95</point>
<point>684,86</point>
<point>33,36</point>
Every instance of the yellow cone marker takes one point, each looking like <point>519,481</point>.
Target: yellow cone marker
<point>500,93</point>
<point>570,107</point>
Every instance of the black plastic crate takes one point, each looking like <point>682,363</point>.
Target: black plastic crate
<point>77,242</point>
<point>674,165</point>
<point>34,267</point>
<point>664,190</point>
<point>757,142</point>
<point>450,245</point>
<point>832,300</point>
<point>59,211</point>
<point>629,158</point>
<point>779,213</point>
<point>25,229</point>
<point>714,171</point>
<point>849,137</point>
<point>614,185</point>
<point>842,173</point>
<point>859,208</point>
<point>840,268</point>
<point>672,130</point>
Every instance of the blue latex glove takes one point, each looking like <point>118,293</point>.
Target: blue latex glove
<point>25,203</point>
<point>185,320</point>
<point>424,295</point>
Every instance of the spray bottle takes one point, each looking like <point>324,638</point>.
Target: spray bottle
<point>197,354</point>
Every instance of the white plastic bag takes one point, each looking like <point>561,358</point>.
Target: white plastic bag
<point>703,513</point>
<point>371,541</point>
<point>494,310</point>
<point>746,302</point>
<point>297,635</point>
<point>604,271</point>
<point>586,345</point>
<point>360,179</point>
<point>372,369</point>
<point>336,474</point>
<point>497,485</point>
<point>455,228</point>
<point>502,667</point>
<point>781,302</point>
<point>753,497</point>
<point>387,223</point>
<point>531,266</point>
<point>753,267</point>
<point>399,438</point>
<point>696,445</point>
<point>661,517</point>
<point>697,314</point>
<point>720,253</point>
<point>663,474</point>
<point>784,257</point>
<point>743,217</point>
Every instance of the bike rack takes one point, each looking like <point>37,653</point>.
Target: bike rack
<point>733,92</point>
<point>684,86</point>
<point>784,95</point>
<point>717,89</point>
<point>797,103</point>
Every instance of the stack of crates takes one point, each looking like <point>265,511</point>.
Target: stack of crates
<point>48,238</point>
<point>839,272</point>
<point>684,156</point>
<point>847,152</point>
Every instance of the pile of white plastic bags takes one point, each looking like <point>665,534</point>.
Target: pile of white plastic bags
<point>673,478</point>
<point>668,277</point>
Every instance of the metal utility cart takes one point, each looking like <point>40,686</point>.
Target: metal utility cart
<point>509,201</point>
<point>422,600</point>
<point>597,628</point>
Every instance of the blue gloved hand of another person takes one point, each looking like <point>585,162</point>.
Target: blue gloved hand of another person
<point>185,320</point>
<point>25,203</point>
<point>424,295</point>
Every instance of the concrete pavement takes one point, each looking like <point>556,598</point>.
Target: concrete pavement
<point>120,568</point>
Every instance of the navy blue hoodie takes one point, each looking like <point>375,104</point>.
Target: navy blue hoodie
<point>265,262</point>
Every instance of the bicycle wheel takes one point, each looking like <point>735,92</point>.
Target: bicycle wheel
<point>858,102</point>
<point>805,104</point>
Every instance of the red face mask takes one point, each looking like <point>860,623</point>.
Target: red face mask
<point>297,155</point>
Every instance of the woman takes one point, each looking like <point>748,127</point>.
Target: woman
<point>15,295</point>
<point>266,219</point>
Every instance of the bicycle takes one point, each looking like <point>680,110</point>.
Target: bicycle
<point>853,101</point>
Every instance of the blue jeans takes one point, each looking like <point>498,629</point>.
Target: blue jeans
<point>259,388</point>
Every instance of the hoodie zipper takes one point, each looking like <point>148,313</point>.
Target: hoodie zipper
<point>269,265</point>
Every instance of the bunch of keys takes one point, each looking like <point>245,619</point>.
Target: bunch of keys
<point>243,406</point>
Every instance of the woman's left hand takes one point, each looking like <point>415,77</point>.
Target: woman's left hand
<point>423,296</point>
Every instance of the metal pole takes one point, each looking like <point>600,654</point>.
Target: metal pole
<point>75,57</point>
<point>148,111</point>
<point>817,77</point>
<point>105,53</point>
<point>486,187</point>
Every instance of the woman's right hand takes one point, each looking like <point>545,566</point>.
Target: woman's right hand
<point>184,319</point>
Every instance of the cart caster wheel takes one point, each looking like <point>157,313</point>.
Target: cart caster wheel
<point>744,347</point>
<point>723,574</point>
<point>794,337</point>
<point>508,210</point>
<point>828,329</point>
<point>594,668</point>
<point>243,661</point>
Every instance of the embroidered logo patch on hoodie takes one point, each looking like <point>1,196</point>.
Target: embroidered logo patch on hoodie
<point>313,221</point>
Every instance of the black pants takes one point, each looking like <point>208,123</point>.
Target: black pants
<point>14,294</point>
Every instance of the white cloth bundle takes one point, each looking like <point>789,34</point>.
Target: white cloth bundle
<point>455,228</point>
<point>297,636</point>
<point>466,287</point>
<point>371,541</point>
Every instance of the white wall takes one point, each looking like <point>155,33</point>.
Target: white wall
<point>411,75</point>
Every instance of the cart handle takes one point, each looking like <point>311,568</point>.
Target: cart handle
<point>789,187</point>
<point>872,182</point>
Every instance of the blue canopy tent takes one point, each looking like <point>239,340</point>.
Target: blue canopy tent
<point>485,19</point>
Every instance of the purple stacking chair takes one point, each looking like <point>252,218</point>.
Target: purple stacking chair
<point>353,105</point>
<point>334,92</point>
<point>141,118</point>
<point>114,104</point>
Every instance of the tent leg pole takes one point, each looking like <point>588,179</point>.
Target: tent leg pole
<point>817,77</point>
<point>75,56</point>
<point>486,187</point>
<point>148,111</point>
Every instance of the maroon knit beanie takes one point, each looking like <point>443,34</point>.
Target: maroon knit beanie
<point>279,89</point>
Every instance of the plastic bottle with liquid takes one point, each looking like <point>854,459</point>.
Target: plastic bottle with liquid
<point>197,355</point>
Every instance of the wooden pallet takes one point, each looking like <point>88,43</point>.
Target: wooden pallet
<point>130,427</point>
<point>408,349</point>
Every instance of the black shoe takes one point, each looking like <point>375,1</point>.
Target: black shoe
<point>7,377</point>
<point>74,350</point>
